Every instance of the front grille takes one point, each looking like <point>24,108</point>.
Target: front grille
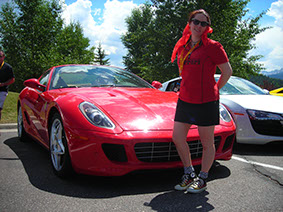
<point>167,152</point>
<point>267,127</point>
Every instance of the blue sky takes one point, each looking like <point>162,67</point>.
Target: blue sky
<point>103,21</point>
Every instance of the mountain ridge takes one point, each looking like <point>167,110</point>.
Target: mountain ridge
<point>278,74</point>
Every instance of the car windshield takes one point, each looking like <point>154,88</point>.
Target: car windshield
<point>95,76</point>
<point>238,86</point>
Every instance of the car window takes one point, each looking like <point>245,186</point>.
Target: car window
<point>43,80</point>
<point>174,86</point>
<point>95,76</point>
<point>239,86</point>
<point>234,86</point>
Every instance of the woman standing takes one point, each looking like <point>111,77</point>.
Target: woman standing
<point>198,104</point>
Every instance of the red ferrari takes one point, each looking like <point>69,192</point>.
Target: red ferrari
<point>102,120</point>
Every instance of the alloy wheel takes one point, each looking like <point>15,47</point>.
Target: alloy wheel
<point>57,147</point>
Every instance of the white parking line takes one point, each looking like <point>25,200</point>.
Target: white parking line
<point>8,130</point>
<point>256,163</point>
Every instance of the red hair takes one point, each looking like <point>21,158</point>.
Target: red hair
<point>187,32</point>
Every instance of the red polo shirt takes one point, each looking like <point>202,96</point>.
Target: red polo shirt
<point>198,84</point>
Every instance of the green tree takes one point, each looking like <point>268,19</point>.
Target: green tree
<point>100,56</point>
<point>140,30</point>
<point>153,31</point>
<point>73,47</point>
<point>34,38</point>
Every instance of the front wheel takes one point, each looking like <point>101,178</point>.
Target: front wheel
<point>59,152</point>
<point>20,125</point>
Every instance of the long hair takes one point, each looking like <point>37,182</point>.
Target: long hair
<point>187,32</point>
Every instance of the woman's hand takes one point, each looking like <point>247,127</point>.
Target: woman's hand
<point>226,70</point>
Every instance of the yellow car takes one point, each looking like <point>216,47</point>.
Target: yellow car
<point>277,92</point>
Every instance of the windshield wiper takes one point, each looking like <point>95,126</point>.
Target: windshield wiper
<point>106,85</point>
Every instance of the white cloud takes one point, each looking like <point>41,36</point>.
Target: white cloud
<point>106,25</point>
<point>270,42</point>
<point>96,11</point>
<point>111,26</point>
<point>78,11</point>
<point>276,11</point>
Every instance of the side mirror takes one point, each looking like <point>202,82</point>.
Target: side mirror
<point>266,91</point>
<point>156,84</point>
<point>34,83</point>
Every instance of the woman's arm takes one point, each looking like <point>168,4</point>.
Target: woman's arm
<point>226,72</point>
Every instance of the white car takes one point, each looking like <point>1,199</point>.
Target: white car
<point>258,115</point>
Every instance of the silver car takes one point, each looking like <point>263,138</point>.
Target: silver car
<point>258,115</point>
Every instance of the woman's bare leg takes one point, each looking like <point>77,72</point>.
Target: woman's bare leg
<point>180,132</point>
<point>207,139</point>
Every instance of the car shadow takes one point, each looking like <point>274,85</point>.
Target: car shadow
<point>37,165</point>
<point>270,149</point>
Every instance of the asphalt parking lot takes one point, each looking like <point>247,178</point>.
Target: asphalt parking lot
<point>251,181</point>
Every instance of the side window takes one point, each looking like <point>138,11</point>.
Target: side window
<point>174,86</point>
<point>44,78</point>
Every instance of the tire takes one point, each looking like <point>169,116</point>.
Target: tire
<point>20,126</point>
<point>58,148</point>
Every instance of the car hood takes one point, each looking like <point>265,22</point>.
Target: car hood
<point>256,102</point>
<point>134,108</point>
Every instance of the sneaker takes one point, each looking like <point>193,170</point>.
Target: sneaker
<point>187,180</point>
<point>197,186</point>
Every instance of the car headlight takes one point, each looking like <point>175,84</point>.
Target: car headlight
<point>224,114</point>
<point>95,116</point>
<point>263,115</point>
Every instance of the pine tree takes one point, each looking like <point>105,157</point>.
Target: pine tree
<point>100,55</point>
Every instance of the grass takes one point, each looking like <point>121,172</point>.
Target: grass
<point>9,112</point>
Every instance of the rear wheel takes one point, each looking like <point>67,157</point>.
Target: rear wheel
<point>59,152</point>
<point>21,130</point>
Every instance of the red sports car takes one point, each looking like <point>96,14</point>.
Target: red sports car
<point>102,120</point>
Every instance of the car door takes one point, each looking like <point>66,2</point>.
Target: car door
<point>36,106</point>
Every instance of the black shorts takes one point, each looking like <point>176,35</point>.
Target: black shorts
<point>206,114</point>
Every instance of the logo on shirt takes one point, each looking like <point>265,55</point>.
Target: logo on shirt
<point>192,62</point>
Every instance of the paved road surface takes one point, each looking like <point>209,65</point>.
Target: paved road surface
<point>251,181</point>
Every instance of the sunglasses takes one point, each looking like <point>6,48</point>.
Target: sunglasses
<point>1,56</point>
<point>202,23</point>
